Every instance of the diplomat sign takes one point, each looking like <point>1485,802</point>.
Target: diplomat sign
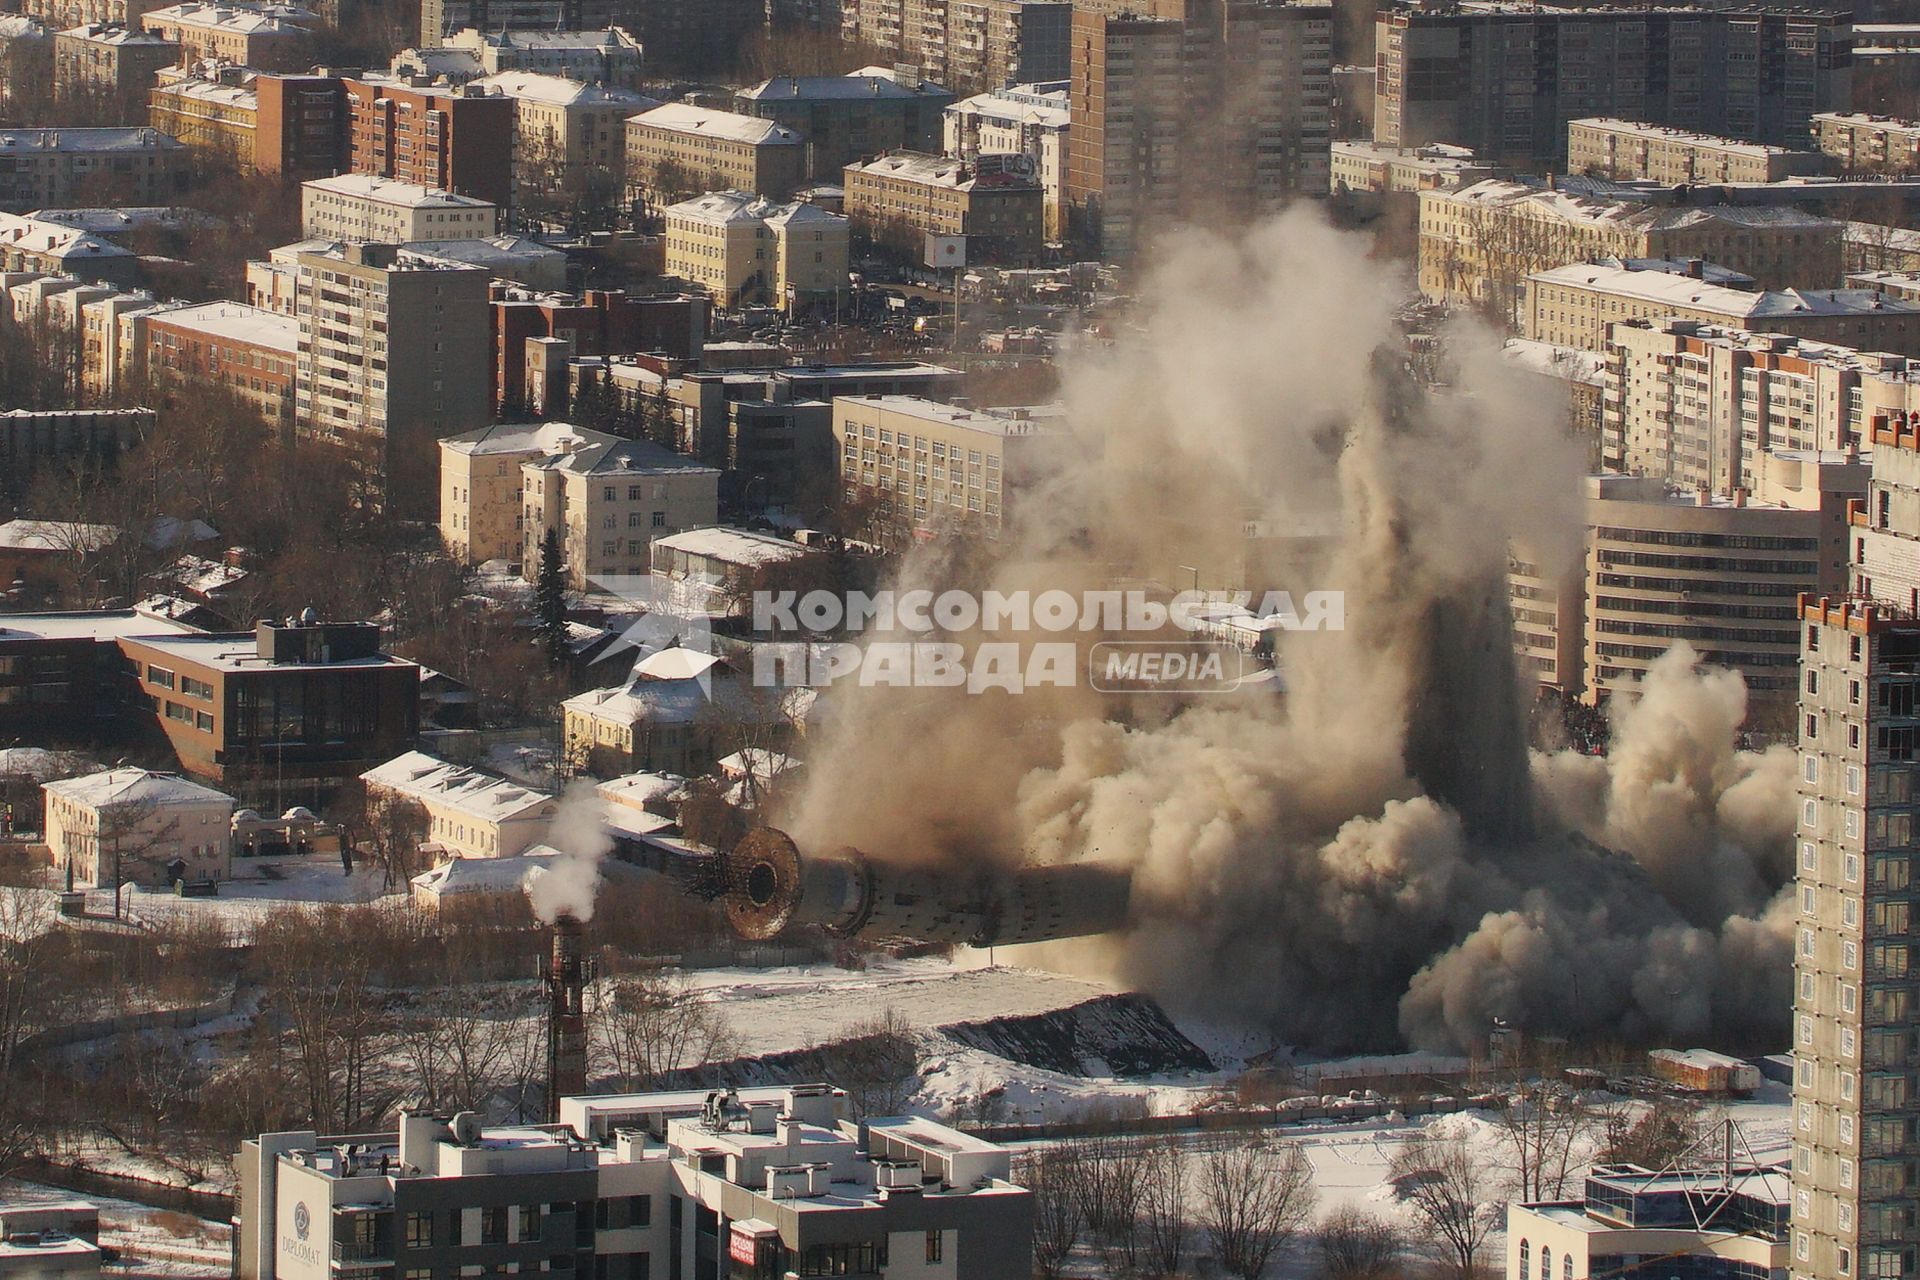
<point>295,1245</point>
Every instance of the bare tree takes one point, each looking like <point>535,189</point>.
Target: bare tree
<point>460,1049</point>
<point>1253,1198</point>
<point>877,1063</point>
<point>130,837</point>
<point>1053,1175</point>
<point>1112,1190</point>
<point>646,1025</point>
<point>28,1003</point>
<point>1355,1245</point>
<point>1163,1207</point>
<point>1453,1195</point>
<point>1652,1135</point>
<point>1544,1131</point>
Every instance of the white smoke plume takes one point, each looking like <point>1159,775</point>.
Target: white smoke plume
<point>1373,860</point>
<point>569,884</point>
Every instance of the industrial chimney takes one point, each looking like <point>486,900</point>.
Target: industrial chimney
<point>567,977</point>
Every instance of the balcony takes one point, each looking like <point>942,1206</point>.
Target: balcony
<point>363,1252</point>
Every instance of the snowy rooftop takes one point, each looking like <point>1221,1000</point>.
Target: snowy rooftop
<point>434,781</point>
<point>270,20</point>
<point>1634,128</point>
<point>367,186</point>
<point>525,437</point>
<point>19,141</point>
<point>624,457</point>
<point>37,236</point>
<point>1010,421</point>
<point>135,786</point>
<point>103,626</point>
<point>682,117</point>
<point>1661,288</point>
<point>559,91</point>
<point>238,652</point>
<point>483,875</point>
<point>733,546</point>
<point>110,33</point>
<point>1570,364</point>
<point>868,82</point>
<point>55,535</point>
<point>917,166</point>
<point>237,322</point>
<point>1497,193</point>
<point>1019,104</point>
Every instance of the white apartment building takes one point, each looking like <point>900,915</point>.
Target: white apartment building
<point>1697,404</point>
<point>360,207</point>
<point>1033,120</point>
<point>742,248</point>
<point>469,813</point>
<point>607,502</point>
<point>138,826</point>
<point>481,477</point>
<point>1865,143</point>
<point>660,1186</point>
<point>1629,149</point>
<point>1574,306</point>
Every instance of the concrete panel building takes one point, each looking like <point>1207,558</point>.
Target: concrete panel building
<point>363,208</point>
<point>1862,143</point>
<point>935,464</point>
<point>393,355</point>
<point>1506,80</point>
<point>1627,149</point>
<point>712,150</point>
<point>129,826</point>
<point>971,45</point>
<point>1194,109</point>
<point>1854,1021</point>
<point>447,139</point>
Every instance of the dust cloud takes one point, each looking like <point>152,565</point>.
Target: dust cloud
<point>1374,859</point>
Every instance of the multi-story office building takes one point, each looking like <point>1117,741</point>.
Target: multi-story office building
<point>360,207</point>
<point>393,355</point>
<point>1627,149</point>
<point>1576,306</point>
<point>743,249</point>
<point>937,464</point>
<point>713,151</point>
<point>304,704</point>
<point>969,44</point>
<point>1024,119</point>
<point>1189,109</point>
<point>250,352</point>
<point>1699,404</point>
<point>993,201</point>
<point>1505,80</point>
<point>611,57</point>
<point>661,1186</point>
<point>271,39</point>
<point>564,131</point>
<point>1862,143</point>
<point>607,501</point>
<point>1726,1221</point>
<point>110,62</point>
<point>1856,1028</point>
<point>1722,572</point>
<point>1479,244</point>
<point>848,118</point>
<point>48,168</point>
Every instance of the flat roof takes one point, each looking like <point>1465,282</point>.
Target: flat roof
<point>1716,141</point>
<point>367,186</point>
<point>682,117</point>
<point>995,422</point>
<point>102,625</point>
<point>237,322</point>
<point>1660,287</point>
<point>240,652</point>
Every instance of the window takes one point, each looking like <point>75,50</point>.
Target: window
<point>659,519</point>
<point>529,1222</point>
<point>934,1246</point>
<point>160,676</point>
<point>1546,1263</point>
<point>1526,1256</point>
<point>419,1231</point>
<point>493,1224</point>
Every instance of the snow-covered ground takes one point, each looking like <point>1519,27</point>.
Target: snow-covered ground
<point>151,1242</point>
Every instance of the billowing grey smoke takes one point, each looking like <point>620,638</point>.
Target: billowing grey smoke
<point>1375,860</point>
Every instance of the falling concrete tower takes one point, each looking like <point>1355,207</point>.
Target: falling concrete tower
<point>567,977</point>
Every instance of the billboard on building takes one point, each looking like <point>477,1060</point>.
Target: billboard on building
<point>945,252</point>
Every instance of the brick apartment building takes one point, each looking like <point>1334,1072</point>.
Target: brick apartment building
<point>598,322</point>
<point>249,351</point>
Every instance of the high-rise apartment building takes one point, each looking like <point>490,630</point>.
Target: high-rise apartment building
<point>393,354</point>
<point>1856,1025</point>
<point>1506,79</point>
<point>966,44</point>
<point>1195,109</point>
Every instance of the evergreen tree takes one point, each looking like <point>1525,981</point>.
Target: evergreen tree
<point>662,424</point>
<point>550,600</point>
